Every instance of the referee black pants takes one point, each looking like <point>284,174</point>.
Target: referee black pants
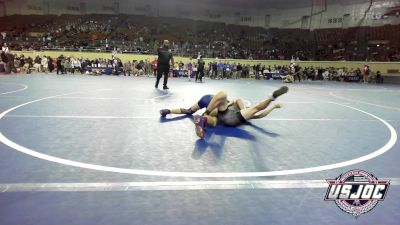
<point>200,74</point>
<point>160,71</point>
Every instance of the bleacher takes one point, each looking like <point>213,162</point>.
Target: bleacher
<point>135,33</point>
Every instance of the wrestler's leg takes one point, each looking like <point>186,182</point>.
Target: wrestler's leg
<point>219,101</point>
<point>265,112</point>
<point>194,108</point>
<point>202,103</point>
<point>249,113</point>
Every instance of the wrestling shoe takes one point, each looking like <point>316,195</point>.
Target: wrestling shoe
<point>200,123</point>
<point>280,92</point>
<point>164,112</point>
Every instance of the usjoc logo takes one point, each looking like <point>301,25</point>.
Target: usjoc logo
<point>357,191</point>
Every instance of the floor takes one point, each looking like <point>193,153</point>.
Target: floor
<point>79,149</point>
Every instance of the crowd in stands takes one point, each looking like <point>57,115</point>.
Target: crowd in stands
<point>142,34</point>
<point>61,65</point>
<point>216,69</point>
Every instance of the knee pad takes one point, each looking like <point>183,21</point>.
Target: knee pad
<point>186,111</point>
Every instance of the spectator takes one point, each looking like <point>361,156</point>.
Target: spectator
<point>37,64</point>
<point>45,64</point>
<point>60,64</point>
<point>127,68</point>
<point>140,67</point>
<point>154,66</point>
<point>214,70</point>
<point>220,69</point>
<point>77,66</point>
<point>50,64</point>
<point>181,65</point>
<point>239,71</point>
<point>68,66</point>
<point>379,78</point>
<point>4,58</point>
<point>257,69</point>
<point>234,71</point>
<point>147,67</point>
<point>28,66</point>
<point>190,67</point>
<point>366,73</point>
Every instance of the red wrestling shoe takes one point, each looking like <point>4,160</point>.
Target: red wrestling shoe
<point>200,122</point>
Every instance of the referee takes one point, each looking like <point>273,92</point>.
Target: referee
<point>163,63</point>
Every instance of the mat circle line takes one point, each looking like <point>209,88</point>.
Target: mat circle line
<point>24,87</point>
<point>392,141</point>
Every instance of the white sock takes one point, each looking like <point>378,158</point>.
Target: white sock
<point>271,97</point>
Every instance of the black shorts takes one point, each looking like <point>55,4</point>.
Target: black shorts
<point>231,117</point>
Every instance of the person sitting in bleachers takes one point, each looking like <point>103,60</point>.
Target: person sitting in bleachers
<point>140,68</point>
<point>28,66</point>
<point>127,68</point>
<point>37,63</point>
<point>77,66</point>
<point>67,66</point>
<point>44,64</point>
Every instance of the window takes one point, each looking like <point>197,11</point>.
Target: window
<point>246,19</point>
<point>34,7</point>
<point>215,16</point>
<point>335,20</point>
<point>72,8</point>
<point>108,8</point>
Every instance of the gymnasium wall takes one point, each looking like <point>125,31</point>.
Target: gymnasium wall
<point>332,16</point>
